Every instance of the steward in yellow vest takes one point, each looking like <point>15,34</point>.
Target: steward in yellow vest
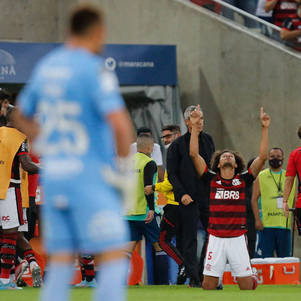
<point>269,186</point>
<point>272,213</point>
<point>13,154</point>
<point>10,142</point>
<point>141,217</point>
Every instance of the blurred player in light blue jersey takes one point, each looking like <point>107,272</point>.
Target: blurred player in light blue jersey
<point>82,120</point>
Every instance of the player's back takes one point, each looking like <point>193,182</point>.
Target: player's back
<point>74,94</point>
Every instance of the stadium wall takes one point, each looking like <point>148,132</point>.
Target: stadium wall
<point>229,71</point>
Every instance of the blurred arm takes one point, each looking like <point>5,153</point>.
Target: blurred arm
<point>123,131</point>
<point>289,34</point>
<point>270,5</point>
<point>26,125</point>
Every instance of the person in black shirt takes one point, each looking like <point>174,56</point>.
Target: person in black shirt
<point>190,193</point>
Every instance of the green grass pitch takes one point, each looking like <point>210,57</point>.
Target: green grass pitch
<point>176,293</point>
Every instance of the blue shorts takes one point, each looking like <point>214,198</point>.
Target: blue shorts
<point>82,221</point>
<point>276,240</point>
<point>150,231</point>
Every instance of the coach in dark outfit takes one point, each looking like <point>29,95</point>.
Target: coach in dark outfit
<point>190,192</point>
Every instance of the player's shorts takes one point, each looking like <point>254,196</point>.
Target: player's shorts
<point>11,214</point>
<point>24,227</point>
<point>77,220</point>
<point>231,249</point>
<point>150,231</point>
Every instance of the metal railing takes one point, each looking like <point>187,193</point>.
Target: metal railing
<point>246,19</point>
<point>248,15</point>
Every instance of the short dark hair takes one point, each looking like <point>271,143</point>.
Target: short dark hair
<point>250,162</point>
<point>277,148</point>
<point>172,127</point>
<point>143,130</point>
<point>299,132</point>
<point>238,159</point>
<point>83,17</point>
<point>144,141</point>
<point>4,94</point>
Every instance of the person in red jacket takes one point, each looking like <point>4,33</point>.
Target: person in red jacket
<point>293,170</point>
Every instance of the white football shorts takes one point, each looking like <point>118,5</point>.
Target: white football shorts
<point>233,250</point>
<point>11,214</point>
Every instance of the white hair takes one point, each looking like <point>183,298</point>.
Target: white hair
<point>189,110</point>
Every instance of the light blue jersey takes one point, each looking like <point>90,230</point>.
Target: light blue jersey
<point>71,93</point>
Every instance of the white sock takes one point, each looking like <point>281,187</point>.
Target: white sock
<point>33,264</point>
<point>12,277</point>
<point>4,280</point>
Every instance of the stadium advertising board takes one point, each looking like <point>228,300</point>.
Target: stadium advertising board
<point>133,64</point>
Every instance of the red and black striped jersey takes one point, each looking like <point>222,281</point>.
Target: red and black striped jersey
<point>227,204</point>
<point>283,10</point>
<point>33,179</point>
<point>293,24</point>
<point>15,172</point>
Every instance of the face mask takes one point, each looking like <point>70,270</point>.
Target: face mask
<point>275,163</point>
<point>166,146</point>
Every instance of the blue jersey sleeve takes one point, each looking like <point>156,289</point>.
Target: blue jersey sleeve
<point>28,98</point>
<point>106,93</point>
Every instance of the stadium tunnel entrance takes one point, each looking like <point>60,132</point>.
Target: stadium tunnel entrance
<point>147,76</point>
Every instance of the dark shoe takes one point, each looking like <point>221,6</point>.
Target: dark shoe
<point>194,283</point>
<point>220,287</point>
<point>21,283</point>
<point>182,277</point>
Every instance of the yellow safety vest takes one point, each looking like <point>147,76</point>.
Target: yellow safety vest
<point>273,217</point>
<point>140,206</point>
<point>10,141</point>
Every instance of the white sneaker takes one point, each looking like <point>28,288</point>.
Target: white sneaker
<point>20,270</point>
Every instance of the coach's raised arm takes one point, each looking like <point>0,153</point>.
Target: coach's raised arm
<point>198,161</point>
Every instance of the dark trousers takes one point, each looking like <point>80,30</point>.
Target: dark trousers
<point>168,229</point>
<point>187,230</point>
<point>251,236</point>
<point>204,218</point>
<point>32,218</point>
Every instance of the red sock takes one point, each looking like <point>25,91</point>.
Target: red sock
<point>87,268</point>
<point>1,241</point>
<point>8,253</point>
<point>29,256</point>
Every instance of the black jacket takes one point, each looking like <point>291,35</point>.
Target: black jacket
<point>181,172</point>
